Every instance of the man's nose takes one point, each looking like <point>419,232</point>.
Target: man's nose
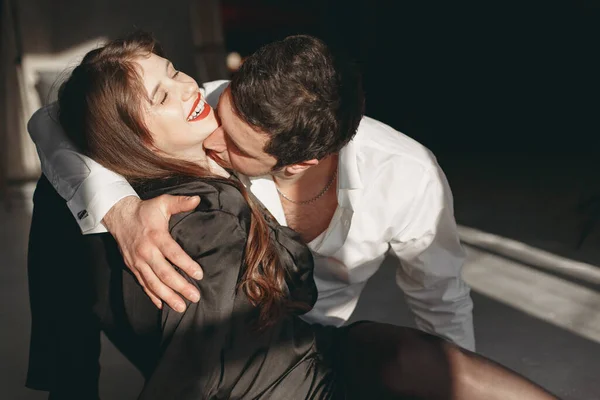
<point>216,141</point>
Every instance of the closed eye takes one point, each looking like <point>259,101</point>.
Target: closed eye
<point>167,93</point>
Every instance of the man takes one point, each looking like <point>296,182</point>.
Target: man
<point>294,138</point>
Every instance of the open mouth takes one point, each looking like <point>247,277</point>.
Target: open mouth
<point>200,110</point>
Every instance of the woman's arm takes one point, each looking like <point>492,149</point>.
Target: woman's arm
<point>192,341</point>
<point>297,261</point>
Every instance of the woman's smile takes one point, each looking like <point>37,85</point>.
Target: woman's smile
<point>200,109</point>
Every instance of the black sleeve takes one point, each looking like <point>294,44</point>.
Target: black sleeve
<point>190,364</point>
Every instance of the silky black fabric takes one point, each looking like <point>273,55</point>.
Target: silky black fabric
<point>213,350</point>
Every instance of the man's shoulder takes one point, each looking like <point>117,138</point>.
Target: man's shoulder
<point>378,146</point>
<point>396,173</point>
<point>213,90</point>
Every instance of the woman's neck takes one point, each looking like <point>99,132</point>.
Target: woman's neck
<point>198,157</point>
<point>216,169</point>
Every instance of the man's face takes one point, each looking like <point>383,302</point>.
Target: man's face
<point>237,145</point>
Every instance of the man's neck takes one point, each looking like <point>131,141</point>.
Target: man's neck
<point>309,201</point>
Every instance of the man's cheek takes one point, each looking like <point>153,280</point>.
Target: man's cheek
<point>225,160</point>
<point>242,166</point>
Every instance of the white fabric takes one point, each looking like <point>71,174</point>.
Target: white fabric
<point>392,196</point>
<point>89,189</point>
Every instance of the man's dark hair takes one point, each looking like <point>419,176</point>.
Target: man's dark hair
<point>307,101</point>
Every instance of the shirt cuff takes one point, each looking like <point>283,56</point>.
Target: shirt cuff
<point>89,206</point>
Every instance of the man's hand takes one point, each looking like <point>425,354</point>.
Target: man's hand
<point>141,229</point>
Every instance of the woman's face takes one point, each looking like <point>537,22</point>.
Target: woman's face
<point>177,116</point>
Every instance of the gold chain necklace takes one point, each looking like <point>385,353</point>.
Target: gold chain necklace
<point>317,197</point>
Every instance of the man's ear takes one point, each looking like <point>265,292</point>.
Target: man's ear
<point>300,167</point>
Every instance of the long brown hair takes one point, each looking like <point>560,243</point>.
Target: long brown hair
<point>101,111</point>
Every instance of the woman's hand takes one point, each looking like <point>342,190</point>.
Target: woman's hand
<point>141,229</point>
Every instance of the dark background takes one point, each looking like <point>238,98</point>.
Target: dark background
<point>459,76</point>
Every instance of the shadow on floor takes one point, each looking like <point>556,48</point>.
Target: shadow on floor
<point>548,201</point>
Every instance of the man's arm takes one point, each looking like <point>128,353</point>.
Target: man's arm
<point>95,194</point>
<point>89,189</point>
<point>431,259</point>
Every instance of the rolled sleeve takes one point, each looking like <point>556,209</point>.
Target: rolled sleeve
<point>432,258</point>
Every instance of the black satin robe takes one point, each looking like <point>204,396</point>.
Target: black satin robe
<point>213,350</point>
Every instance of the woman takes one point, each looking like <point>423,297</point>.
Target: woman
<point>130,110</point>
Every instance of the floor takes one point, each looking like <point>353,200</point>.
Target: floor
<point>537,322</point>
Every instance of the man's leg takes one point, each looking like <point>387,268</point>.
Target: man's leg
<point>65,336</point>
<point>126,314</point>
<point>389,362</point>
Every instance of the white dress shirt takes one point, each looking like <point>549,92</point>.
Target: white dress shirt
<point>392,197</point>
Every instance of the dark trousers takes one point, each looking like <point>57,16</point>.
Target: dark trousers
<point>65,335</point>
<point>385,362</point>
<point>72,301</point>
